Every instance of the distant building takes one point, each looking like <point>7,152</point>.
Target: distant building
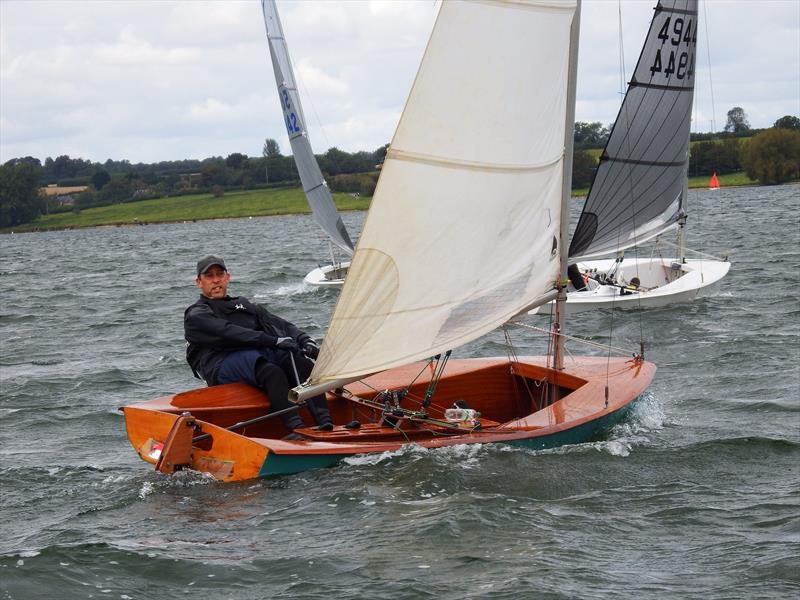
<point>65,200</point>
<point>144,194</point>
<point>191,180</point>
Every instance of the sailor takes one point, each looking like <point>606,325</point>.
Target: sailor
<point>575,278</point>
<point>231,339</point>
<point>632,287</point>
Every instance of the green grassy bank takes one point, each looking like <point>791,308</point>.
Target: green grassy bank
<point>252,203</point>
<point>730,180</point>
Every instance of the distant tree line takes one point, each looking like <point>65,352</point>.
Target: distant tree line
<point>114,182</point>
<point>20,201</point>
<point>236,170</point>
<point>770,156</point>
<point>773,156</point>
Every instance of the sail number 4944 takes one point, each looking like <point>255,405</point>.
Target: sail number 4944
<point>675,32</point>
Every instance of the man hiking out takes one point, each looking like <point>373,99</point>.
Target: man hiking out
<point>231,339</point>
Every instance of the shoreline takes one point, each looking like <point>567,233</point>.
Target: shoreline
<point>136,222</point>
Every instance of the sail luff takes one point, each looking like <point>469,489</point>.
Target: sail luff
<point>316,189</point>
<point>566,189</point>
<point>637,192</point>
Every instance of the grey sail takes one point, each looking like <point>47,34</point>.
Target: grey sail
<point>639,188</point>
<point>314,186</point>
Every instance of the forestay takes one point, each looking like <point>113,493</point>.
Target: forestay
<point>314,186</point>
<point>638,191</point>
<point>462,231</point>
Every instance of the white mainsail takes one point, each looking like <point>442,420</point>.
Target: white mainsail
<point>640,187</point>
<point>463,227</point>
<point>316,190</point>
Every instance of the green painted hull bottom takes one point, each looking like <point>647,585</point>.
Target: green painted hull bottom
<point>286,464</point>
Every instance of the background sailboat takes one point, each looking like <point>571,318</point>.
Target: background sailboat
<point>640,188</point>
<point>459,239</point>
<point>314,185</point>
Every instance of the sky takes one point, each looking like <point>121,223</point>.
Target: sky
<point>152,80</point>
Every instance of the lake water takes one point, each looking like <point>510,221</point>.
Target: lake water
<point>697,495</point>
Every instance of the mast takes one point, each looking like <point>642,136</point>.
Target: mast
<point>682,220</point>
<point>566,190</point>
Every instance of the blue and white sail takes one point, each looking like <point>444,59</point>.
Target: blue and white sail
<point>316,190</point>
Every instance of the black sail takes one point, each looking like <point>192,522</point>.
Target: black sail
<point>638,190</point>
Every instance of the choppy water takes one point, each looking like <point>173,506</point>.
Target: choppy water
<point>696,496</point>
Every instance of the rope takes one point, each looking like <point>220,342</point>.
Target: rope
<point>710,81</point>
<point>311,101</point>
<point>629,178</point>
<point>697,252</point>
<point>424,403</point>
<point>512,357</point>
<point>294,368</point>
<point>437,374</point>
<point>572,338</point>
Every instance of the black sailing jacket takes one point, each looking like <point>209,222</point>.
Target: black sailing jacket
<point>213,328</point>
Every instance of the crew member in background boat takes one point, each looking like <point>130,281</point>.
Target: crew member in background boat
<point>575,277</point>
<point>231,339</point>
<point>632,287</point>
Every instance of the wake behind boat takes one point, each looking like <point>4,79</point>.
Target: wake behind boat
<point>436,267</point>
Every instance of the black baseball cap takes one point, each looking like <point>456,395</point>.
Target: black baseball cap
<point>204,264</point>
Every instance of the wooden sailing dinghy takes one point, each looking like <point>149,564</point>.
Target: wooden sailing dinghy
<point>499,390</point>
<point>460,238</point>
<point>640,189</point>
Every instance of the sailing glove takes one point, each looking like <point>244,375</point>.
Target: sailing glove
<point>286,343</point>
<point>310,349</point>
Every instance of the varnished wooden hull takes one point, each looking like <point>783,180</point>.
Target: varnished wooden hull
<point>576,411</point>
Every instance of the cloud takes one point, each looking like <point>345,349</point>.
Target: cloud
<point>130,50</point>
<point>159,80</point>
<point>212,110</point>
<point>319,82</point>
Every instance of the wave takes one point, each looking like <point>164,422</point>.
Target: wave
<point>768,406</point>
<point>752,445</point>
